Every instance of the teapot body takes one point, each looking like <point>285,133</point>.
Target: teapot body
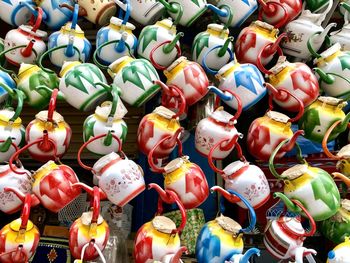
<point>340,254</point>
<point>249,181</point>
<point>8,236</point>
<point>6,79</point>
<point>135,79</point>
<point>63,37</point>
<point>121,179</point>
<point>293,8</point>
<point>243,79</point>
<point>23,36</point>
<point>215,35</point>
<point>114,31</point>
<point>77,83</point>
<point>15,14</point>
<point>98,12</point>
<point>56,16</point>
<point>342,37</point>
<point>9,202</point>
<point>190,77</point>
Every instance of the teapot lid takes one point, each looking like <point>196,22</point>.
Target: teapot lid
<point>168,24</point>
<point>67,29</point>
<point>344,152</point>
<point>105,160</point>
<point>328,53</point>
<point>15,225</point>
<point>234,167</point>
<point>345,203</point>
<point>281,64</point>
<point>164,112</point>
<point>228,224</point>
<point>28,29</point>
<point>175,164</point>
<point>25,67</point>
<point>119,22</point>
<point>277,116</point>
<point>175,64</point>
<point>86,218</point>
<point>67,66</point>
<point>7,114</point>
<point>295,172</point>
<point>219,28</point>
<point>333,101</point>
<point>104,110</point>
<point>265,26</point>
<point>222,116</point>
<point>163,224</point>
<point>42,115</point>
<point>292,223</point>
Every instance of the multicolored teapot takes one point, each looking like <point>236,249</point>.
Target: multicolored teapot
<point>48,124</point>
<point>312,186</point>
<point>342,36</point>
<point>258,38</point>
<point>89,234</point>
<point>279,13</point>
<point>306,30</point>
<point>159,43</point>
<point>222,237</point>
<point>13,12</point>
<point>216,37</point>
<point>320,115</point>
<point>159,237</point>
<point>135,78</point>
<point>115,41</point>
<point>183,177</point>
<point>340,254</point>
<point>20,238</point>
<point>295,77</point>
<point>332,67</point>
<point>244,178</point>
<point>266,132</point>
<point>284,236</point>
<point>119,178</point>
<point>25,44</point>
<point>337,227</point>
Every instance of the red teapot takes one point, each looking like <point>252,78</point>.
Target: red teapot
<point>183,177</point>
<point>159,237</point>
<point>89,234</point>
<point>20,238</point>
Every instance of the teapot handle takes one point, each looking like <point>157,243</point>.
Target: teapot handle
<point>52,105</point>
<point>151,55</point>
<point>89,168</point>
<point>229,142</point>
<point>44,141</point>
<point>278,95</point>
<point>325,140</point>
<point>259,64</point>
<point>221,95</point>
<point>38,20</point>
<point>4,147</point>
<point>205,56</point>
<point>311,48</point>
<point>91,243</point>
<point>170,197</point>
<point>270,8</point>
<point>151,163</point>
<point>176,92</point>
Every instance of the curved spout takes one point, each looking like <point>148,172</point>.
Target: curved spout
<point>248,254</point>
<point>343,125</point>
<point>178,254</point>
<point>342,177</point>
<point>225,46</point>
<point>69,52</point>
<point>321,37</point>
<point>5,146</point>
<point>170,47</point>
<point>43,90</point>
<point>290,145</point>
<point>289,204</point>
<point>27,51</point>
<point>120,46</point>
<point>271,49</point>
<point>45,145</point>
<point>220,12</point>
<point>222,95</point>
<point>170,7</point>
<point>327,78</point>
<point>301,252</point>
<point>162,193</point>
<point>90,190</point>
<point>229,197</point>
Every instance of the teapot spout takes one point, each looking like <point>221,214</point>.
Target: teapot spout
<point>248,254</point>
<point>171,8</point>
<point>223,49</point>
<point>342,177</point>
<point>178,254</point>
<point>289,204</point>
<point>229,197</point>
<point>327,78</point>
<point>69,52</point>
<point>27,51</point>
<point>220,12</point>
<point>321,37</point>
<point>162,193</point>
<point>170,47</point>
<point>343,125</point>
<point>301,252</point>
<point>273,48</point>
<point>290,145</point>
<point>120,46</point>
<point>5,146</point>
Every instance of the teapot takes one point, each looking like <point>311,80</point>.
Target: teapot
<point>183,177</point>
<point>14,13</point>
<point>244,258</point>
<point>218,128</point>
<point>20,238</point>
<point>48,124</point>
<point>161,34</point>
<point>108,118</point>
<point>135,78</point>
<point>89,234</point>
<point>245,80</point>
<point>306,30</point>
<point>68,44</point>
<point>284,236</point>
<point>244,178</point>
<point>332,70</point>
<point>222,237</point>
<point>25,43</point>
<point>312,186</point>
<point>340,254</point>
<point>279,13</point>
<point>119,178</point>
<point>258,38</point>
<point>173,99</point>
<point>119,33</point>
<point>52,183</point>
<point>316,5</point>
<point>320,115</point>
<point>297,78</point>
<point>159,237</point>
<point>266,132</point>
<point>342,156</point>
<point>215,37</point>
<point>337,227</point>
<point>342,36</point>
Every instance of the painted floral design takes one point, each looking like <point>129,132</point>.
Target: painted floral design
<point>6,198</point>
<point>255,190</point>
<point>203,141</point>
